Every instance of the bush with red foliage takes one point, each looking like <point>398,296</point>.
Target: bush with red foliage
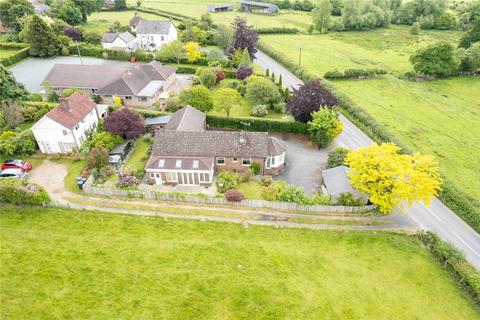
<point>72,33</point>
<point>220,75</point>
<point>243,72</point>
<point>307,99</point>
<point>234,195</point>
<point>125,123</point>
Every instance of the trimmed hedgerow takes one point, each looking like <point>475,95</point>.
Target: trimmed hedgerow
<point>278,30</point>
<point>354,73</point>
<point>454,261</point>
<point>18,56</point>
<point>256,124</point>
<point>13,45</point>
<point>19,191</point>
<point>162,13</point>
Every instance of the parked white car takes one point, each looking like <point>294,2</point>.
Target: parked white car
<point>13,173</point>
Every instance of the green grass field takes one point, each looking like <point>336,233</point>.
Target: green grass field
<point>439,118</point>
<point>387,48</point>
<point>195,8</point>
<point>75,264</point>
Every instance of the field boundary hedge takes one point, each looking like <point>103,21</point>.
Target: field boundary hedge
<point>162,13</point>
<point>278,30</point>
<point>454,261</point>
<point>453,197</point>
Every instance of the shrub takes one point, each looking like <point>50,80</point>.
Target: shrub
<point>256,124</point>
<point>207,77</point>
<point>336,157</point>
<point>347,199</point>
<point>278,30</point>
<point>196,80</point>
<point>243,72</point>
<point>227,180</point>
<point>415,29</point>
<point>324,126</point>
<point>93,38</point>
<point>266,181</point>
<point>18,56</point>
<point>437,59</point>
<point>335,74</point>
<point>69,91</point>
<point>126,123</point>
<point>220,74</point>
<point>262,91</point>
<point>279,107</point>
<point>127,180</point>
<point>21,192</point>
<point>260,110</point>
<point>17,143</point>
<point>255,167</point>
<point>173,104</point>
<point>241,89</point>
<point>36,97</point>
<point>291,193</point>
<point>234,195</point>
<point>105,139</point>
<point>233,84</point>
<point>198,97</point>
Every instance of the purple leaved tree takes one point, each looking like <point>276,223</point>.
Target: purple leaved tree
<point>307,99</point>
<point>125,123</point>
<point>243,37</point>
<point>72,33</point>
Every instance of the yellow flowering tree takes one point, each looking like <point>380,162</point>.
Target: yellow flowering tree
<point>389,178</point>
<point>192,51</point>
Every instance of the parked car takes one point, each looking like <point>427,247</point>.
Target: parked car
<point>13,173</point>
<point>16,164</point>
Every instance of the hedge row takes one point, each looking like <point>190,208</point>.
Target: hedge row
<point>256,124</point>
<point>19,191</point>
<point>111,54</point>
<point>454,261</point>
<point>13,45</point>
<point>464,206</point>
<point>149,113</point>
<point>18,56</point>
<point>278,30</point>
<point>354,73</point>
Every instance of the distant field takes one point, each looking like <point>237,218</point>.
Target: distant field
<point>68,264</point>
<point>101,21</point>
<point>387,48</point>
<point>195,9</point>
<point>441,118</point>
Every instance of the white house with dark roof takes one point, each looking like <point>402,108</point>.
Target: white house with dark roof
<point>65,127</point>
<point>125,41</point>
<point>152,35</point>
<point>186,153</point>
<point>138,85</point>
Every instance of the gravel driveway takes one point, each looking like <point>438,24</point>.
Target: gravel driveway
<point>304,162</point>
<point>50,175</point>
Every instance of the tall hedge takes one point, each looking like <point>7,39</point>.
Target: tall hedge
<point>251,124</point>
<point>19,191</point>
<point>16,57</point>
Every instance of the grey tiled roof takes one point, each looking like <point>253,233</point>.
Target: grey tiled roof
<point>275,146</point>
<point>109,37</point>
<point>211,144</point>
<point>187,119</point>
<point>154,27</point>
<point>336,180</point>
<point>126,36</point>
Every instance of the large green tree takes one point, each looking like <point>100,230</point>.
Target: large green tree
<point>68,11</point>
<point>198,97</point>
<point>10,89</point>
<point>40,36</point>
<point>321,15</point>
<point>438,59</point>
<point>262,91</point>
<point>87,7</point>
<point>12,12</point>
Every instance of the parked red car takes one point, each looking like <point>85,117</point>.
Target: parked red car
<point>17,164</point>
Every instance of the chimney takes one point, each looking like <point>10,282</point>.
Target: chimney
<point>64,103</point>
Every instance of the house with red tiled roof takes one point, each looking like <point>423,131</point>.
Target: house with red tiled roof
<point>64,128</point>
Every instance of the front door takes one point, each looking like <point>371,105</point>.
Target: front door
<point>158,178</point>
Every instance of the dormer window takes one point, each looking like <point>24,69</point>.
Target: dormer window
<point>161,163</point>
<point>195,164</point>
<point>178,164</point>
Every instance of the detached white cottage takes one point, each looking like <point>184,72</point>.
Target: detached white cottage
<point>152,35</point>
<point>125,41</point>
<point>65,127</point>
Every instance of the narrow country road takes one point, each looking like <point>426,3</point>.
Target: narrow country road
<point>437,217</point>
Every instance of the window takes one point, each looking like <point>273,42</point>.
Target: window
<point>65,133</point>
<point>204,177</point>
<point>171,176</point>
<point>273,161</point>
<point>195,164</point>
<point>143,98</point>
<point>246,161</point>
<point>235,160</point>
<point>77,126</point>
<point>161,163</point>
<point>178,163</point>
<point>128,97</point>
<point>163,38</point>
<point>221,161</point>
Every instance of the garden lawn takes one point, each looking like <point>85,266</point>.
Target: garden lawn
<point>251,189</point>
<point>241,110</point>
<point>441,118</point>
<point>195,8</point>
<point>388,48</point>
<point>100,22</point>
<point>74,264</point>
<point>138,157</point>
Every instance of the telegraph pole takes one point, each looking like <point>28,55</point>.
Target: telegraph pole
<point>300,57</point>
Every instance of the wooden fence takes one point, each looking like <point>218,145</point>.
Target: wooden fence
<point>276,205</point>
